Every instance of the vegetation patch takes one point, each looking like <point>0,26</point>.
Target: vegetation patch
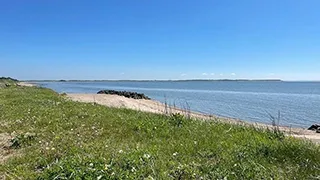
<point>7,82</point>
<point>22,140</point>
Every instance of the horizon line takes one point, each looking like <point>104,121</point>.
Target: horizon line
<point>148,80</point>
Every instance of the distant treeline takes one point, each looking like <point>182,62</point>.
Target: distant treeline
<point>9,79</point>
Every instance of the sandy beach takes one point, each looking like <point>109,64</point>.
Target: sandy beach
<point>25,84</point>
<point>157,107</point>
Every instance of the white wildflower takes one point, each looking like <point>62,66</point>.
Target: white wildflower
<point>120,151</point>
<point>99,177</point>
<point>133,169</point>
<point>150,178</point>
<point>175,154</point>
<point>146,156</point>
<point>107,166</point>
<point>91,164</point>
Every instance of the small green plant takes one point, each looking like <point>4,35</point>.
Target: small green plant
<point>63,94</point>
<point>276,133</point>
<point>177,119</point>
<point>22,140</point>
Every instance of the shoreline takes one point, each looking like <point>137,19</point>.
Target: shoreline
<point>153,106</point>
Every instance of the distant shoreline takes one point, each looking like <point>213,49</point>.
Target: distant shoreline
<point>186,80</point>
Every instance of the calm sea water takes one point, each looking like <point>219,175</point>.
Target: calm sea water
<point>298,102</point>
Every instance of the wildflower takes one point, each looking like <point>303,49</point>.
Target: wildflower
<point>47,148</point>
<point>112,173</point>
<point>107,166</point>
<point>150,178</point>
<point>133,169</point>
<point>195,142</point>
<point>99,177</point>
<point>53,149</point>
<point>175,154</point>
<point>40,142</point>
<point>120,151</point>
<point>91,164</point>
<point>147,156</point>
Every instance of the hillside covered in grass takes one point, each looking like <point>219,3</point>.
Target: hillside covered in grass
<point>55,138</point>
<point>7,81</point>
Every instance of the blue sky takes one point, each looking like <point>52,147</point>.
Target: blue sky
<point>160,39</point>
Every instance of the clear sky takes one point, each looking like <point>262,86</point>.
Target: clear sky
<point>160,39</point>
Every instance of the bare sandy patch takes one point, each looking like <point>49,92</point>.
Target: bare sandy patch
<point>5,151</point>
<point>25,84</point>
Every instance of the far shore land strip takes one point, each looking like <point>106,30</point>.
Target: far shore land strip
<point>160,108</point>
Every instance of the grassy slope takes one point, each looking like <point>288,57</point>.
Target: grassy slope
<point>74,140</point>
<point>8,81</point>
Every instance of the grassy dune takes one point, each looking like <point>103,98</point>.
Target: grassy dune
<point>54,138</point>
<point>7,81</point>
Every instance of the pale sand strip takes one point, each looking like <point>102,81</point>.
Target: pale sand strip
<point>157,107</point>
<point>25,84</point>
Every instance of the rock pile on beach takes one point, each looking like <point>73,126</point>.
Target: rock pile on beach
<point>133,95</point>
<point>315,127</point>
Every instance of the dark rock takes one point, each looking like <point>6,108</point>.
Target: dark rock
<point>314,127</point>
<point>127,94</point>
<point>318,130</point>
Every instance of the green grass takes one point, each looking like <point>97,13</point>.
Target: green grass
<point>60,139</point>
<point>7,81</point>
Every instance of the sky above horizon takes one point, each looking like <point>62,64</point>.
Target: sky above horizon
<point>160,39</point>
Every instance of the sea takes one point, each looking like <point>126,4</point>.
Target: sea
<point>293,104</point>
